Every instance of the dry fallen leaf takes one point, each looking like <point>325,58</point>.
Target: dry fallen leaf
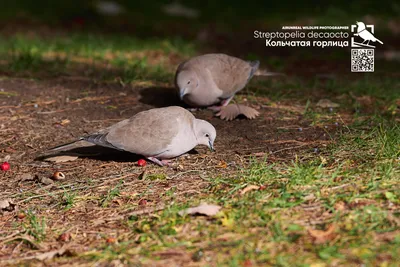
<point>340,206</point>
<point>222,164</point>
<point>25,177</point>
<point>249,188</point>
<point>202,209</point>
<point>259,154</point>
<point>321,236</point>
<point>358,202</point>
<point>387,236</point>
<point>364,100</point>
<point>118,201</point>
<point>59,159</point>
<point>65,122</point>
<point>229,236</point>
<point>29,239</point>
<point>51,254</point>
<point>318,264</point>
<point>7,205</point>
<point>45,180</point>
<point>326,103</point>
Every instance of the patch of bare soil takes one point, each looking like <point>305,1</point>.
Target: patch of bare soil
<point>37,115</point>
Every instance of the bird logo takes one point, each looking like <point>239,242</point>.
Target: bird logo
<point>361,30</point>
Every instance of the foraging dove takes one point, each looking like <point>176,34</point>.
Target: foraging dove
<point>158,134</point>
<point>212,80</point>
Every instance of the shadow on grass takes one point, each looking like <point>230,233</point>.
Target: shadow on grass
<point>93,152</point>
<point>99,153</point>
<point>27,65</point>
<point>160,97</point>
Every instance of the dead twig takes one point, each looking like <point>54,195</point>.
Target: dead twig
<point>288,148</point>
<point>7,140</point>
<point>56,111</point>
<point>2,241</point>
<point>74,189</point>
<point>133,213</point>
<point>338,187</point>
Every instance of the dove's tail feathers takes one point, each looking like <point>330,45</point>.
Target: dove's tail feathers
<point>254,67</point>
<point>77,144</point>
<point>267,73</point>
<point>67,146</point>
<point>254,64</point>
<point>100,140</point>
<point>379,41</point>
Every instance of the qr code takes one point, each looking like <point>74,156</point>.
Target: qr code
<point>362,60</point>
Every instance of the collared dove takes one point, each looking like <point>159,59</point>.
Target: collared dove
<point>212,80</point>
<point>158,134</point>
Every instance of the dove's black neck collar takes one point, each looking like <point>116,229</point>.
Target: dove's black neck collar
<point>362,30</point>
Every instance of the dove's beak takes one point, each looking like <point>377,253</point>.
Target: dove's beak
<point>182,93</point>
<point>211,146</point>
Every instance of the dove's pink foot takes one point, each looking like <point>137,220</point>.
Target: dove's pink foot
<point>224,103</point>
<point>164,162</point>
<point>215,108</point>
<point>231,111</point>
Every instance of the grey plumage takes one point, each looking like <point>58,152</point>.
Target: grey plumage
<point>213,79</point>
<point>100,140</point>
<point>161,133</point>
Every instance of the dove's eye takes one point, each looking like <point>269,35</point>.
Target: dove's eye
<point>207,135</point>
<point>188,82</point>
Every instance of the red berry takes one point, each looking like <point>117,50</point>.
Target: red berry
<point>5,166</point>
<point>141,163</point>
<point>65,237</point>
<point>142,202</point>
<point>262,187</point>
<point>111,240</point>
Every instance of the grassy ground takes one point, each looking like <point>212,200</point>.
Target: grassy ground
<point>301,185</point>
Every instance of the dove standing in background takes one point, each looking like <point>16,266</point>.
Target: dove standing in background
<point>365,34</point>
<point>158,134</point>
<point>212,80</point>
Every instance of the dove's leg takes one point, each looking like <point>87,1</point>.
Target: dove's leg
<point>215,108</point>
<point>161,163</point>
<point>166,162</point>
<point>156,161</point>
<point>224,103</point>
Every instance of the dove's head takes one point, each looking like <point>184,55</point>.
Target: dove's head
<point>186,81</point>
<point>360,25</point>
<point>205,133</point>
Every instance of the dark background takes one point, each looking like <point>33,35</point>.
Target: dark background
<point>221,26</point>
